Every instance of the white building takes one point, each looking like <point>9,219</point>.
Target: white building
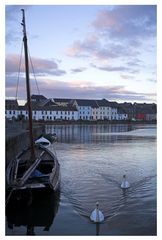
<point>46,113</point>
<point>66,109</point>
<point>85,108</point>
<point>104,109</point>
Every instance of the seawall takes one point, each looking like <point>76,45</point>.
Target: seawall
<point>17,139</point>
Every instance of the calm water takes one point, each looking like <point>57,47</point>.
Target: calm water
<point>93,159</point>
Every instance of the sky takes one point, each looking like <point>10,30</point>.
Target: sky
<point>84,51</point>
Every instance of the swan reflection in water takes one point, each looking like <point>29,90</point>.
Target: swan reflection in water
<point>38,211</point>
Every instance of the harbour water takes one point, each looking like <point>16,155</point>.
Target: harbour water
<point>93,159</point>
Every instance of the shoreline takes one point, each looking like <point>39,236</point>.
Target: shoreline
<point>92,122</point>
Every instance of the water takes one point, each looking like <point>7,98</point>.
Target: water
<point>93,159</point>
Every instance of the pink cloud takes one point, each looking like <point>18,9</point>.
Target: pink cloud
<point>108,20</point>
<point>77,89</point>
<point>41,66</point>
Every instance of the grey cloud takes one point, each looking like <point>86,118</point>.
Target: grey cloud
<point>118,33</point>
<point>64,89</point>
<point>151,80</point>
<point>78,70</point>
<point>127,77</point>
<point>42,67</point>
<point>111,69</point>
<point>127,22</point>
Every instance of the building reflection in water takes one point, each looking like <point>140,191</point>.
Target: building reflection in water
<point>88,133</point>
<point>40,212</point>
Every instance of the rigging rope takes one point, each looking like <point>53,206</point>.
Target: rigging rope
<point>18,79</point>
<point>34,73</point>
<point>19,69</point>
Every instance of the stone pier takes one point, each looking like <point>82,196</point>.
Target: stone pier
<point>17,138</point>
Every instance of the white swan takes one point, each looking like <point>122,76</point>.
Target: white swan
<point>96,215</point>
<point>125,184</point>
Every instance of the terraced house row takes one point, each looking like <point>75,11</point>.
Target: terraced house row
<point>77,109</point>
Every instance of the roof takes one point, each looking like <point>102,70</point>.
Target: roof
<point>87,102</point>
<point>145,108</point>
<point>11,104</point>
<point>113,104</point>
<point>11,101</point>
<point>63,100</point>
<point>103,103</point>
<point>38,97</point>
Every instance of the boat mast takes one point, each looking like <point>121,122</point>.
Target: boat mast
<point>28,85</point>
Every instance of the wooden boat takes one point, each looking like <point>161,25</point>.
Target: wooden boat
<point>35,167</point>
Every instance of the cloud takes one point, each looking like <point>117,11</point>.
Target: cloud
<point>41,66</point>
<point>13,10</point>
<point>118,33</point>
<point>78,70</point>
<point>53,88</point>
<point>152,80</point>
<point>12,14</point>
<point>127,77</point>
<point>84,48</point>
<point>100,51</point>
<point>110,68</point>
<point>127,21</point>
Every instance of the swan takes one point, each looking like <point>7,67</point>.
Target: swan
<point>125,184</point>
<point>96,215</point>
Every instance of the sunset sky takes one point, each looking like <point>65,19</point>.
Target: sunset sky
<point>85,51</point>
